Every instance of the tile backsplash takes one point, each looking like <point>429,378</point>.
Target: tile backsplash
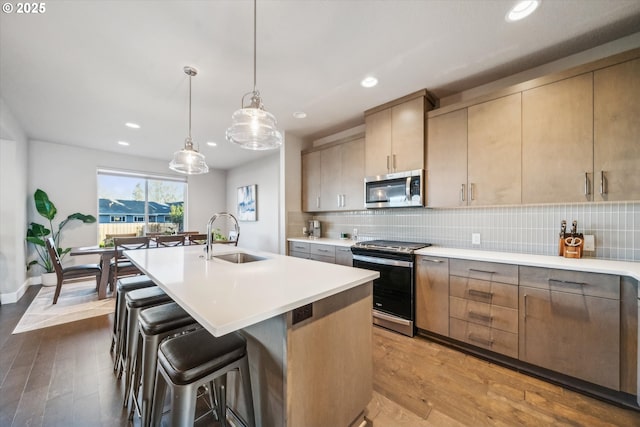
<point>531,229</point>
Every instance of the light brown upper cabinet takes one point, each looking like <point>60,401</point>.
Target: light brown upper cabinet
<point>557,141</point>
<point>332,177</point>
<point>617,132</point>
<point>395,135</point>
<point>311,181</point>
<point>494,152</point>
<point>447,160</point>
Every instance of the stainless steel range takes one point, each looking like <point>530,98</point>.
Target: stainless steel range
<point>393,291</point>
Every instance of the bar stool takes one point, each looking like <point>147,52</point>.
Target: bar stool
<point>136,301</point>
<point>154,325</point>
<point>192,360</point>
<point>124,286</point>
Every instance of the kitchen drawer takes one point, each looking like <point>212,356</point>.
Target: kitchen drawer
<point>482,336</point>
<point>323,258</point>
<point>298,247</point>
<point>491,271</point>
<point>297,254</point>
<point>322,250</point>
<point>484,291</point>
<point>344,255</point>
<point>576,282</point>
<point>493,316</point>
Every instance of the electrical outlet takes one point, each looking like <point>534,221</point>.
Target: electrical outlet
<point>475,238</point>
<point>302,313</point>
<point>589,242</point>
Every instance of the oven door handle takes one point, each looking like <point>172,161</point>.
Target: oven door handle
<point>383,261</point>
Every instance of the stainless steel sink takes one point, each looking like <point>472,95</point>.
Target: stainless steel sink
<point>239,257</point>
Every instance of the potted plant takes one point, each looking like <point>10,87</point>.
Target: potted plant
<point>37,233</point>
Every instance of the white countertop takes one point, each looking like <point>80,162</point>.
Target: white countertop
<point>324,241</point>
<point>623,268</point>
<point>225,297</point>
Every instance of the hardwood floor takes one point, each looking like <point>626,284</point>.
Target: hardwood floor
<point>62,376</point>
<point>449,388</point>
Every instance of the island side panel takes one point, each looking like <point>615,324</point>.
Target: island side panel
<point>329,361</point>
<point>266,345</point>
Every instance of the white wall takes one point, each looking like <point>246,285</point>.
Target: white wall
<point>264,233</point>
<point>68,175</point>
<point>13,207</point>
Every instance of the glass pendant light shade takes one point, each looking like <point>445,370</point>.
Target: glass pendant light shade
<point>254,129</point>
<point>188,160</point>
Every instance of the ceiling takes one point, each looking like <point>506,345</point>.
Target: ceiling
<point>76,73</point>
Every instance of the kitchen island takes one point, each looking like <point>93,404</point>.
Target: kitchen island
<point>307,324</point>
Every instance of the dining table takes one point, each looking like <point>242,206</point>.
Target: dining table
<point>106,255</point>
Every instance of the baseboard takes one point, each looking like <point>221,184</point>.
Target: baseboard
<point>14,297</point>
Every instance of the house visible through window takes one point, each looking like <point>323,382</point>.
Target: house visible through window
<point>139,203</point>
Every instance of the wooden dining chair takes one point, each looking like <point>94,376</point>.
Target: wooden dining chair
<point>169,240</point>
<point>72,272</point>
<point>198,239</point>
<point>120,265</point>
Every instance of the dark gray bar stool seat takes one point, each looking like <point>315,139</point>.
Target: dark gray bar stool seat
<point>137,301</point>
<point>192,360</point>
<point>123,286</point>
<point>155,324</point>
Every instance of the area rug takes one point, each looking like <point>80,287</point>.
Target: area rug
<point>77,301</point>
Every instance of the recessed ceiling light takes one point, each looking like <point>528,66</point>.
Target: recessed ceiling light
<point>132,125</point>
<point>212,144</point>
<point>299,114</point>
<point>124,143</point>
<point>521,10</point>
<point>369,81</point>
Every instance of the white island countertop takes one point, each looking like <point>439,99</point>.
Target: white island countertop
<point>225,297</point>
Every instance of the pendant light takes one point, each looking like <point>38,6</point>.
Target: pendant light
<point>188,161</point>
<point>252,126</point>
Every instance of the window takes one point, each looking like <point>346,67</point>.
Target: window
<point>139,203</point>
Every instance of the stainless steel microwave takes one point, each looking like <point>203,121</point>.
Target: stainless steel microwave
<point>395,190</point>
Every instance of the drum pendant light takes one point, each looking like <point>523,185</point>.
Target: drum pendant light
<point>188,161</point>
<point>252,126</point>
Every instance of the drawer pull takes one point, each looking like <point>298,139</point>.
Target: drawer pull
<point>432,260</point>
<point>480,316</point>
<point>299,247</point>
<point>568,282</point>
<point>480,340</point>
<point>482,271</point>
<point>478,293</point>
<point>323,250</point>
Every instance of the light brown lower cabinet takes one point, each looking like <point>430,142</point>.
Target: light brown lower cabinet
<point>571,333</point>
<point>432,294</point>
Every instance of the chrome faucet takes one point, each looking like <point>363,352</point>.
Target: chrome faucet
<point>210,226</point>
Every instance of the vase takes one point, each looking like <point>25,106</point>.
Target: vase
<point>49,279</point>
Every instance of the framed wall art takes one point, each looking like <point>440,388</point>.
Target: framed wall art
<point>247,203</point>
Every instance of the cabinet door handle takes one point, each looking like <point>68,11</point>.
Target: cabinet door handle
<point>525,306</point>
<point>482,271</point>
<point>462,193</point>
<point>480,316</point>
<point>480,340</point>
<point>344,200</point>
<point>318,202</point>
<point>471,191</point>
<point>339,200</point>
<point>603,183</point>
<point>432,260</point>
<point>394,163</point>
<point>587,190</point>
<point>388,164</point>
<point>568,282</point>
<point>478,293</point>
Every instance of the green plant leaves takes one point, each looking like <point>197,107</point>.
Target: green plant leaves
<point>44,206</point>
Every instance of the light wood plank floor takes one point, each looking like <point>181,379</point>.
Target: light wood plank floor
<point>445,387</point>
<point>62,376</point>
